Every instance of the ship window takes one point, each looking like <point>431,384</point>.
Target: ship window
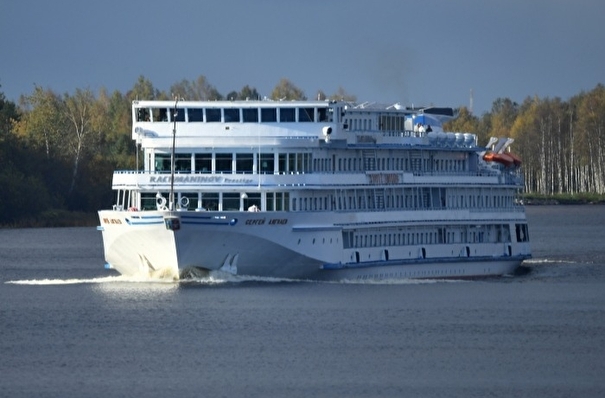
<point>210,200</point>
<point>281,201</point>
<point>182,162</point>
<point>203,162</point>
<point>306,114</point>
<point>521,230</point>
<point>162,162</point>
<point>250,115</point>
<point>195,114</point>
<point>180,115</point>
<point>231,115</point>
<point>287,115</point>
<point>266,165</point>
<point>283,164</point>
<point>159,115</point>
<point>148,200</point>
<point>231,201</point>
<point>213,115</point>
<point>268,114</point>
<point>142,115</point>
<point>244,162</point>
<point>253,199</point>
<point>322,114</point>
<point>224,162</point>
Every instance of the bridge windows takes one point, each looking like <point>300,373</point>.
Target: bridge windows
<point>235,114</point>
<point>250,115</point>
<point>268,115</point>
<point>306,114</point>
<point>224,163</point>
<point>213,115</point>
<point>231,115</point>
<point>195,114</point>
<point>287,115</point>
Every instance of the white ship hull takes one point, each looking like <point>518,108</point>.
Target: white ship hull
<point>284,245</point>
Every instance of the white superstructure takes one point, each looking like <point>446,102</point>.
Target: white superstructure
<point>313,190</point>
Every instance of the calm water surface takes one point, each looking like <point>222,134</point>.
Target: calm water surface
<point>69,328</point>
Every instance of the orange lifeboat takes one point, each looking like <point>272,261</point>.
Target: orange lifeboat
<point>489,156</point>
<point>516,159</point>
<point>505,159</point>
<point>501,158</point>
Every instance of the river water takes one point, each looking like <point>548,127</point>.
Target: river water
<point>69,328</point>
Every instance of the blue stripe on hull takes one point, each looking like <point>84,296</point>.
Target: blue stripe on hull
<point>416,261</point>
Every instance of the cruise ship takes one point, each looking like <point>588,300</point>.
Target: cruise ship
<point>313,190</point>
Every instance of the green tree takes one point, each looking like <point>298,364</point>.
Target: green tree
<point>197,90</point>
<point>590,131</point>
<point>117,147</point>
<point>82,134</point>
<point>248,93</point>
<point>465,122</point>
<point>503,114</point>
<point>44,121</point>
<point>285,90</point>
<point>8,116</point>
<point>143,90</point>
<point>342,95</point>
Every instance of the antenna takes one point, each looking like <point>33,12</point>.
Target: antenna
<point>174,115</point>
<point>470,109</point>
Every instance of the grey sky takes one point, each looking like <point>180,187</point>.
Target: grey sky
<point>413,52</point>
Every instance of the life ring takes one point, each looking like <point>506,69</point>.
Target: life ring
<point>184,202</point>
<point>132,208</point>
<point>160,201</point>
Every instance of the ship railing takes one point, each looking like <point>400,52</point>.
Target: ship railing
<point>513,178</point>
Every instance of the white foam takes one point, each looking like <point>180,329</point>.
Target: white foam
<point>102,280</point>
<point>220,277</point>
<point>546,261</point>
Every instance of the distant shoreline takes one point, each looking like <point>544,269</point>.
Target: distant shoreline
<point>563,199</point>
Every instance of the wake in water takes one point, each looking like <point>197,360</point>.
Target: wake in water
<point>547,261</point>
<point>101,280</point>
<point>217,278</point>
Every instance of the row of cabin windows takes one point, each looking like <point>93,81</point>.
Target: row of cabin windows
<point>401,199</point>
<point>264,163</point>
<point>359,199</point>
<point>385,123</point>
<point>222,201</point>
<point>499,233</point>
<point>246,163</point>
<point>233,115</point>
<point>393,164</point>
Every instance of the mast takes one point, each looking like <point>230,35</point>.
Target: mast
<point>171,196</point>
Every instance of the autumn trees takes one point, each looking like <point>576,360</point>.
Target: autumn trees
<point>562,143</point>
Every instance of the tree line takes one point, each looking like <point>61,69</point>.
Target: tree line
<point>58,151</point>
<point>561,143</point>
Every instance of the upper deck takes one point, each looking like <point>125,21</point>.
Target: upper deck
<point>286,123</point>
